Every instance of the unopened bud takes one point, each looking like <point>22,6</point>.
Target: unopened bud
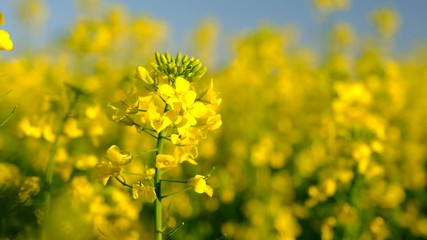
<point>144,75</point>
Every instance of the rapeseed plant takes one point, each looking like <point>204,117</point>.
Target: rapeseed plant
<point>164,104</point>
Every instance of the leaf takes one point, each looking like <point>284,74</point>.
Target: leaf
<point>8,117</point>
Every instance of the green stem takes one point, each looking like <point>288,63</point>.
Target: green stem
<point>353,231</point>
<point>178,192</point>
<point>158,185</point>
<point>8,117</point>
<point>137,155</point>
<point>174,180</point>
<point>158,231</point>
<point>51,165</point>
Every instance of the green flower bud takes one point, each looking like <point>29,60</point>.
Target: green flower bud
<point>168,57</point>
<point>144,75</point>
<point>178,58</point>
<point>163,60</point>
<point>157,57</point>
<point>185,59</point>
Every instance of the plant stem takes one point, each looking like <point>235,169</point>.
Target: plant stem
<point>51,165</point>
<point>157,185</point>
<point>137,155</point>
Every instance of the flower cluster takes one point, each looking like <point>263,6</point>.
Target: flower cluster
<point>165,104</point>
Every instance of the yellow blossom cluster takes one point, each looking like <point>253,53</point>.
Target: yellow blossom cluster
<point>165,104</point>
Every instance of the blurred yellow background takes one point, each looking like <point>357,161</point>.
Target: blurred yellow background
<point>317,142</point>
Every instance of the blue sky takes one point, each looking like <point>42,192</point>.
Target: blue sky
<point>237,16</point>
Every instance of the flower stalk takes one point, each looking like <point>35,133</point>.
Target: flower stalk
<point>51,161</point>
<point>165,104</point>
<point>158,189</point>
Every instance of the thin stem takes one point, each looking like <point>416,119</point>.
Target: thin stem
<point>51,163</point>
<point>137,174</point>
<point>123,182</point>
<point>136,155</point>
<point>8,117</point>
<point>167,138</point>
<point>175,229</point>
<point>177,192</point>
<point>158,186</point>
<point>174,180</point>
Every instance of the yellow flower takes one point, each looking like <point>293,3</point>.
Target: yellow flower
<point>211,96</point>
<point>386,20</point>
<point>111,165</point>
<point>186,154</point>
<point>166,161</point>
<point>332,5</point>
<point>200,186</point>
<point>72,129</point>
<point>30,187</point>
<point>158,122</point>
<point>147,193</point>
<point>120,111</point>
<point>5,41</point>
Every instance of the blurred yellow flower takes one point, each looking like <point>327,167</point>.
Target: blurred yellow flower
<point>111,164</point>
<point>5,41</point>
<point>1,18</point>
<point>29,187</point>
<point>332,5</point>
<point>386,20</point>
<point>147,193</point>
<point>166,161</point>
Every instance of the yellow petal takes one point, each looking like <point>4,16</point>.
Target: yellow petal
<point>5,41</point>
<point>115,156</point>
<point>166,161</point>
<point>166,91</point>
<point>199,110</point>
<point>181,85</point>
<point>72,129</point>
<point>135,190</point>
<point>209,190</point>
<point>199,183</point>
<point>160,124</point>
<point>189,98</point>
<point>149,194</point>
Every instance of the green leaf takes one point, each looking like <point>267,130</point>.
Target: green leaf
<point>8,117</point>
